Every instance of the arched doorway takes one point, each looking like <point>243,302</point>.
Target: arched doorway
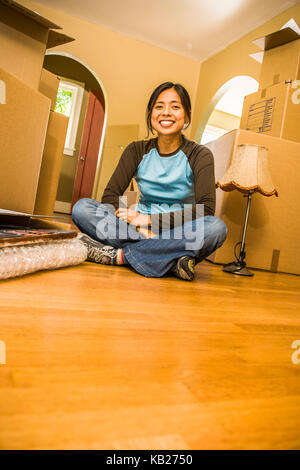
<point>224,110</point>
<point>81,161</point>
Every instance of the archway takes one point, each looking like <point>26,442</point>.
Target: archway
<point>80,169</point>
<point>224,110</point>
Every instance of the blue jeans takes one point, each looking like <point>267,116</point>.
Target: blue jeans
<point>151,257</point>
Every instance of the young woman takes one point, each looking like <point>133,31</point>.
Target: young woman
<point>173,226</point>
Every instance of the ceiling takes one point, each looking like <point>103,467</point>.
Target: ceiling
<point>193,28</point>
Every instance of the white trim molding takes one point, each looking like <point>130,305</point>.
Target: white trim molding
<point>2,92</point>
<point>62,207</point>
<point>77,95</point>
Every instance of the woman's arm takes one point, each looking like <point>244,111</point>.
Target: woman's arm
<point>204,180</point>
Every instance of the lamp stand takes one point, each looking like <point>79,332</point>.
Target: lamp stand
<point>239,266</point>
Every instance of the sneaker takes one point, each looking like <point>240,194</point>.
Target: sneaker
<point>184,268</point>
<point>97,251</point>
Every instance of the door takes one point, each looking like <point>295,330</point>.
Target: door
<point>90,145</point>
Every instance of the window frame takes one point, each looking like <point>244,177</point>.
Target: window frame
<point>77,96</point>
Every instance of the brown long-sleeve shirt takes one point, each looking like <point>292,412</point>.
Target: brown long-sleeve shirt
<point>168,183</point>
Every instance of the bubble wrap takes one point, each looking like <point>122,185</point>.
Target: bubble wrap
<point>24,259</point>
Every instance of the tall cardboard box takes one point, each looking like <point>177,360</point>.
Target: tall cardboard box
<point>48,86</point>
<point>51,163</point>
<point>273,111</point>
<point>23,41</point>
<point>281,57</point>
<point>24,37</point>
<point>24,117</point>
<point>272,239</point>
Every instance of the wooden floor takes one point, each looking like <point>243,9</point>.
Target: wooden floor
<point>99,357</point>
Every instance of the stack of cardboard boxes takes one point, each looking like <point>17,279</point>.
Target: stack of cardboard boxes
<point>270,118</point>
<point>32,134</point>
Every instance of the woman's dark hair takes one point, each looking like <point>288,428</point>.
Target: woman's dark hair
<point>184,96</point>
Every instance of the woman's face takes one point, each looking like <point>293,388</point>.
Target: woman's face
<point>168,115</point>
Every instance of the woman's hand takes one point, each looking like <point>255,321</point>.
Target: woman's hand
<point>132,217</point>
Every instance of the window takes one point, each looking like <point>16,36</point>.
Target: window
<point>68,102</point>
<point>212,133</point>
<point>228,107</point>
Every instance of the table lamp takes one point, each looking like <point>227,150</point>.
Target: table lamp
<point>248,173</point>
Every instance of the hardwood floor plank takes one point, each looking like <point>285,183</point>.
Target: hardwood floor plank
<point>99,357</point>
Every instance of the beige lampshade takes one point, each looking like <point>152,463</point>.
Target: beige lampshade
<point>248,171</point>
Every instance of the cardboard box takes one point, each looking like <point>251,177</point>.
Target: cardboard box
<point>30,220</point>
<point>274,111</point>
<point>23,124</point>
<point>23,39</point>
<point>281,57</point>
<point>49,86</point>
<point>272,239</point>
<point>280,64</point>
<point>132,194</point>
<point>51,163</point>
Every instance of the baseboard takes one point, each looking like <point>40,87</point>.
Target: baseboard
<point>63,207</point>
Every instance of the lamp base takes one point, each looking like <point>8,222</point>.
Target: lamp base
<point>236,267</point>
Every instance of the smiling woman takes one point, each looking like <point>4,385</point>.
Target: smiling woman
<point>173,226</point>
<point>168,99</point>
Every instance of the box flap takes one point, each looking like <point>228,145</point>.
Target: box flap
<point>31,14</point>
<point>291,24</point>
<point>278,38</point>
<point>258,56</point>
<point>57,39</point>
